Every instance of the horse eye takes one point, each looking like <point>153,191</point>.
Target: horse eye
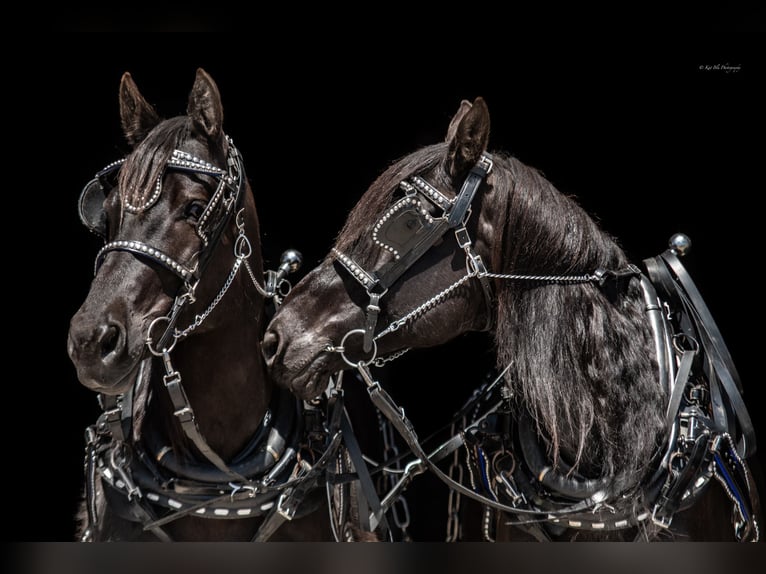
<point>194,210</point>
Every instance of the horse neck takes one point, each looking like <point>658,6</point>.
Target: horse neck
<point>221,366</point>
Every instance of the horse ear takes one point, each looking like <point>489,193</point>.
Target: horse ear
<point>468,136</point>
<point>465,105</point>
<point>205,106</point>
<point>137,116</point>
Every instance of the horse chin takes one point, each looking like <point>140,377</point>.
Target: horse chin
<point>110,383</point>
<point>311,388</point>
<point>310,382</point>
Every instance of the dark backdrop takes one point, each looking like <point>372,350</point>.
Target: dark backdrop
<point>653,138</point>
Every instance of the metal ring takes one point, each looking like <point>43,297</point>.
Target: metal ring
<point>239,219</point>
<point>242,247</point>
<point>680,338</point>
<point>149,338</point>
<point>342,352</point>
<point>495,461</point>
<point>284,287</point>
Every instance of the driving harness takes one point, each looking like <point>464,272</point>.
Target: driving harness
<point>709,431</point>
<point>297,447</point>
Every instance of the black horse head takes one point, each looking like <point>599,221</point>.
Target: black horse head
<point>163,212</point>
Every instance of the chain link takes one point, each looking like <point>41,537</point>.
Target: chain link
<point>257,285</point>
<point>380,361</point>
<point>400,511</point>
<point>441,295</point>
<point>415,313</point>
<point>242,251</point>
<point>199,319</point>
<point>455,473</point>
<point>542,278</point>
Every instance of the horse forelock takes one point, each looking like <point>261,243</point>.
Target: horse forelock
<point>583,364</point>
<point>145,165</point>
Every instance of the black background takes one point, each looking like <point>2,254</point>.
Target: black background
<point>642,128</point>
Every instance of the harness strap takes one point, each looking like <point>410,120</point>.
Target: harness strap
<point>138,512</point>
<point>290,501</point>
<point>291,498</point>
<point>470,185</point>
<point>90,484</point>
<point>733,475</point>
<point>369,520</point>
<point>383,401</point>
<point>711,339</point>
<point>684,368</point>
<point>112,416</point>
<point>372,319</point>
<point>185,416</point>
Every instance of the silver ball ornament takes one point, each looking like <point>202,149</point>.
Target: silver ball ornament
<point>680,244</point>
<point>291,260</point>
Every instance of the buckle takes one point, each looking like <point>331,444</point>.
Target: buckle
<point>113,415</point>
<point>184,414</point>
<point>463,239</point>
<point>286,506</point>
<point>661,521</point>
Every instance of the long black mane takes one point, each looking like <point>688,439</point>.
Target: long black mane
<point>583,361</point>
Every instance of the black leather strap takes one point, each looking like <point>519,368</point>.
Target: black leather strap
<point>670,275</point>
<point>677,482</point>
<point>368,495</point>
<point>389,273</point>
<point>185,416</point>
<point>470,185</point>
<point>684,368</point>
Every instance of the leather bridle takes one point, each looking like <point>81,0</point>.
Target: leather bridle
<point>408,230</point>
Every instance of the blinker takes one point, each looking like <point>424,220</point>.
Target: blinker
<point>91,204</point>
<point>91,207</point>
<point>400,228</point>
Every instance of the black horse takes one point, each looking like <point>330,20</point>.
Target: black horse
<point>195,442</point>
<point>615,409</point>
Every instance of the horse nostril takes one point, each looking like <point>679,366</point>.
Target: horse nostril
<point>108,339</point>
<point>269,347</point>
